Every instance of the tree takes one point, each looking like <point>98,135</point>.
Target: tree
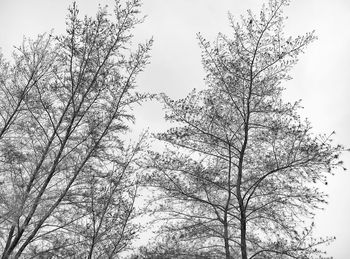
<point>241,172</point>
<point>66,173</point>
<point>99,218</point>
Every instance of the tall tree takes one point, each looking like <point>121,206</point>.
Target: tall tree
<point>65,107</point>
<point>241,173</point>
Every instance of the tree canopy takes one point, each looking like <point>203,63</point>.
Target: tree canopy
<point>237,174</point>
<point>241,171</point>
<point>67,178</point>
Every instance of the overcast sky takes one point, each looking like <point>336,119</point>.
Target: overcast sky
<point>321,78</point>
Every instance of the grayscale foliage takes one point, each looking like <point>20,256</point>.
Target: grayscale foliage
<point>68,180</point>
<point>241,172</point>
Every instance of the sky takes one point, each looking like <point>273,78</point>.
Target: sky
<point>321,78</point>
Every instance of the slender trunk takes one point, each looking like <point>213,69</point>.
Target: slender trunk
<point>243,220</point>
<point>91,250</point>
<point>10,246</point>
<point>243,223</point>
<point>226,234</point>
<point>226,240</point>
<point>242,208</point>
<point>8,242</point>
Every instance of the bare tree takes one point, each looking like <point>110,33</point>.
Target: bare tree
<point>241,173</point>
<point>98,217</point>
<point>65,108</point>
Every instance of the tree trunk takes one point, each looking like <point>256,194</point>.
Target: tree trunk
<point>8,242</point>
<point>227,245</point>
<point>226,237</point>
<point>243,233</point>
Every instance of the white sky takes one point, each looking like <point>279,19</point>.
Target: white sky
<point>321,78</point>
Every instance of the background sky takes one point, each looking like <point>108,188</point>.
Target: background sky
<point>321,78</point>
